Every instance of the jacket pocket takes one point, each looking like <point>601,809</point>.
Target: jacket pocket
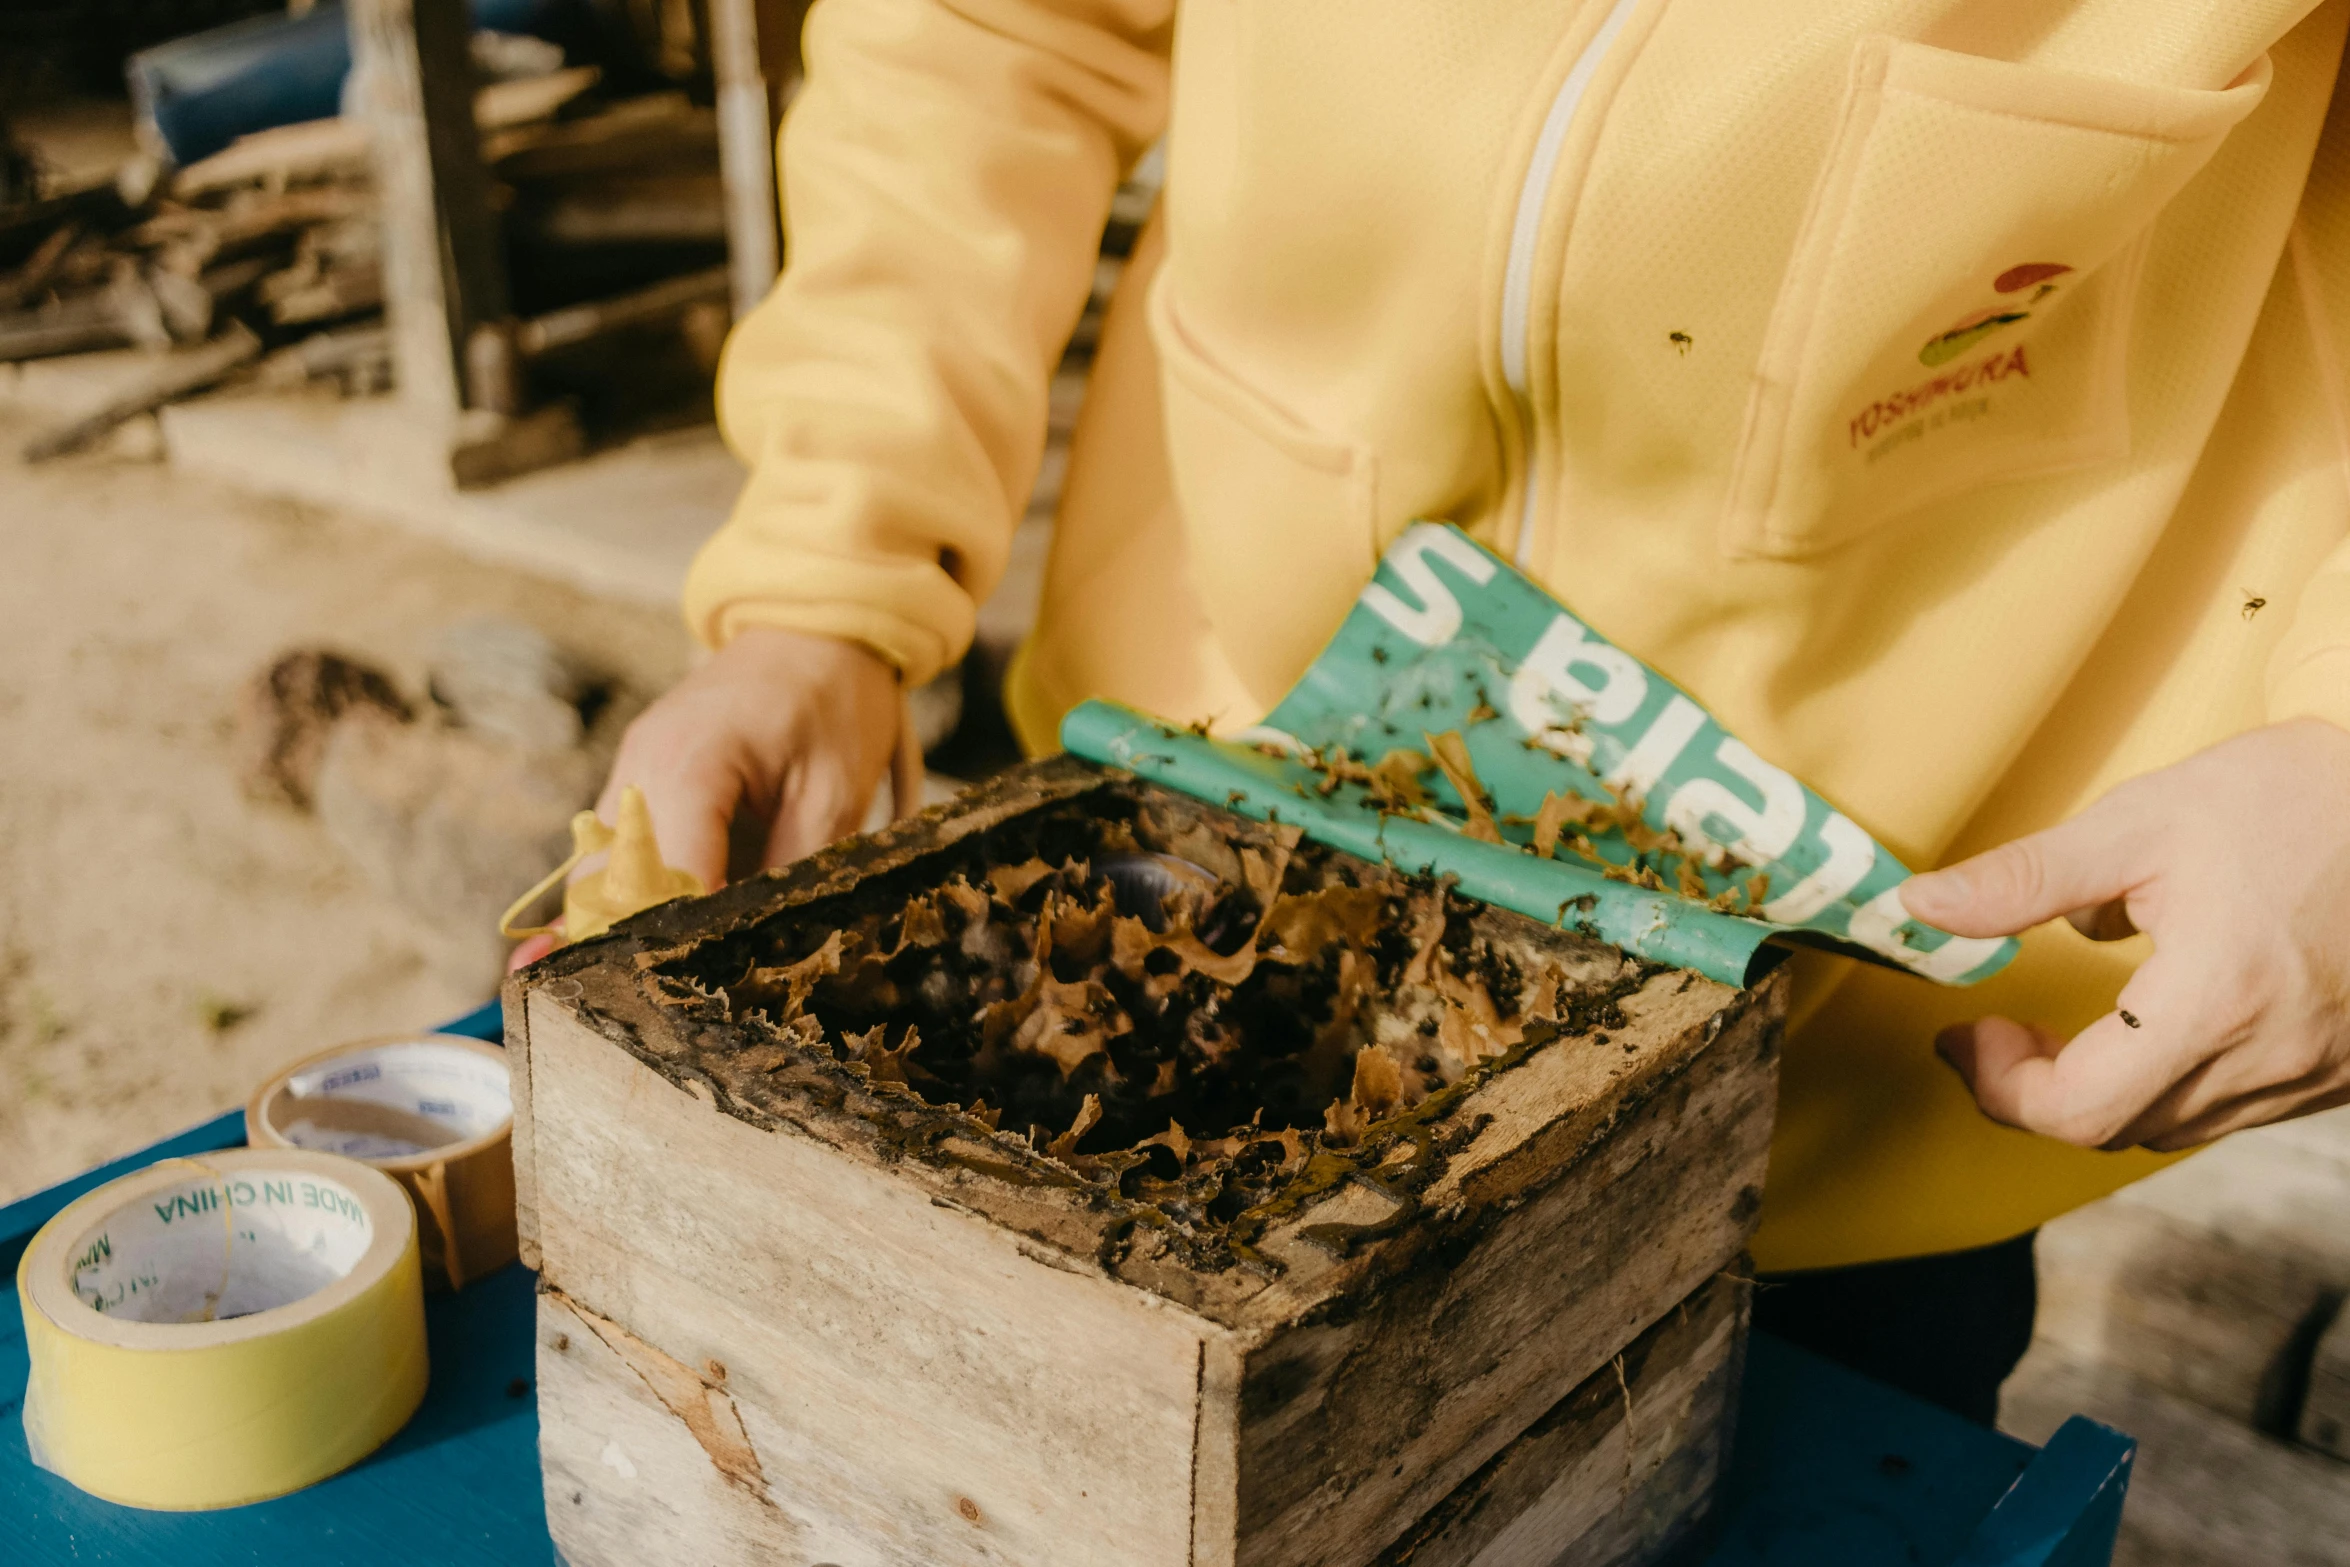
<point>1278,516</point>
<point>1958,307</point>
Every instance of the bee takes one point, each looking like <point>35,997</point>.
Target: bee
<point>1681,341</point>
<point>2253,603</point>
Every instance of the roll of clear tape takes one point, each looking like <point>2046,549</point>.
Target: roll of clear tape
<point>213,1331</point>
<point>435,1112</point>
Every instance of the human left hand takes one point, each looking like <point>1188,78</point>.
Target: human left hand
<point>2237,862</point>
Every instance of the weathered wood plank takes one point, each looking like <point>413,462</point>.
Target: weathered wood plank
<point>659,302</point>
<point>1356,1424</point>
<point>1621,1470</point>
<point>2325,1410</point>
<point>893,1357</point>
<point>514,1011</point>
<point>626,1478</point>
<point>180,375</point>
<point>858,1260</point>
<point>2224,1316</point>
<point>1537,1304</point>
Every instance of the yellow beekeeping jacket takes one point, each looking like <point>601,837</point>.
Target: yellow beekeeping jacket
<point>1948,393</point>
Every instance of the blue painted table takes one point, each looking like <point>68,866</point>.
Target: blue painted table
<point>1831,1470</point>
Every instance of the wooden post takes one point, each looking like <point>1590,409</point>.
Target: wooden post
<point>746,151</point>
<point>443,274</point>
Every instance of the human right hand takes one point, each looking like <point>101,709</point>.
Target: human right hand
<point>2237,862</point>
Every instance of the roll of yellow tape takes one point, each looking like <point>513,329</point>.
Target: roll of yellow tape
<point>433,1111</point>
<point>220,1330</point>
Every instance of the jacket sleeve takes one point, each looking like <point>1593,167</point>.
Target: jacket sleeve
<point>2309,670</point>
<point>946,173</point>
<point>2309,674</point>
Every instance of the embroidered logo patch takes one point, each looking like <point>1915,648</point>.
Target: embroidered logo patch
<point>2038,276</point>
<point>1890,412</point>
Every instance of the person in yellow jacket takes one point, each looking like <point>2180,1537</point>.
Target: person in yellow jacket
<point>1951,395</point>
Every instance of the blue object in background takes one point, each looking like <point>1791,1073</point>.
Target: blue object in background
<point>197,94</point>
<point>1831,1469</point>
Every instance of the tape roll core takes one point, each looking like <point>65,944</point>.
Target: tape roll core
<point>209,1332</point>
<point>433,1111</point>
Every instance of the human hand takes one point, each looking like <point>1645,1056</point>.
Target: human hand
<point>792,729</point>
<point>2237,862</point>
<point>795,730</point>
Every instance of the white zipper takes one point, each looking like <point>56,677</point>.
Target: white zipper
<point>1517,286</point>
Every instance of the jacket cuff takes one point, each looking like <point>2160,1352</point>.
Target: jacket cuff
<point>910,614</point>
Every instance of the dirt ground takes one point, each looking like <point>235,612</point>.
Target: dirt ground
<point>164,941</point>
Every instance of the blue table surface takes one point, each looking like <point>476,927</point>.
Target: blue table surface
<point>1830,1468</point>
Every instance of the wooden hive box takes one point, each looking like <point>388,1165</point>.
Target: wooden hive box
<point>1434,1264</point>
